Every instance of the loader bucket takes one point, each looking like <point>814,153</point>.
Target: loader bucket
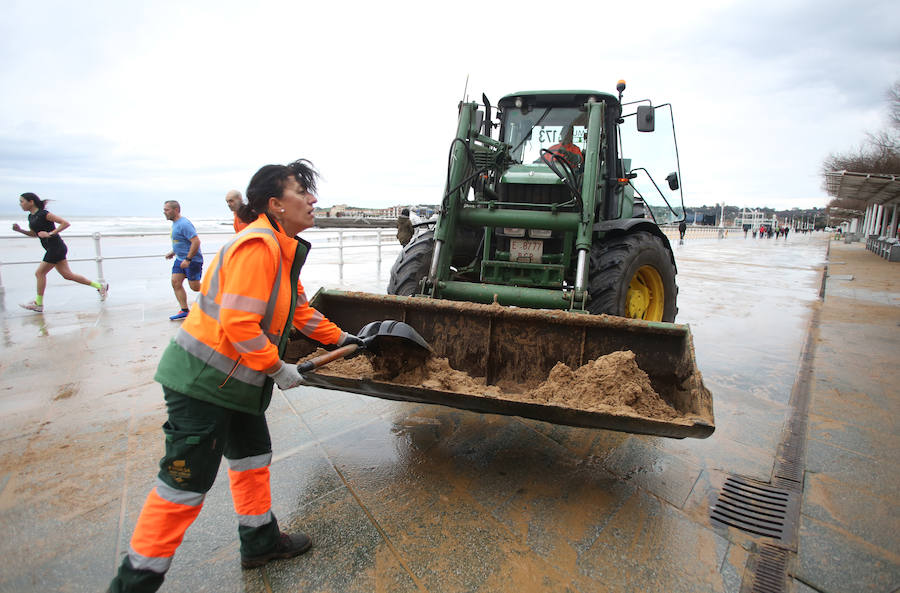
<point>510,345</point>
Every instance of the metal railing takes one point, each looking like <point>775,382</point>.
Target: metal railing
<point>380,238</point>
<point>698,231</point>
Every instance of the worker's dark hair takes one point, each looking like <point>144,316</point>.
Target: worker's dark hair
<point>268,182</point>
<point>405,212</point>
<point>31,197</point>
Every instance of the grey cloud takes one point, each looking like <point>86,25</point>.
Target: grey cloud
<point>852,47</point>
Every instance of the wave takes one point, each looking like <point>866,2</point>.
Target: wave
<point>86,225</point>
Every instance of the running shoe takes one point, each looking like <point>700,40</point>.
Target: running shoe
<point>103,290</point>
<point>32,306</point>
<point>180,315</point>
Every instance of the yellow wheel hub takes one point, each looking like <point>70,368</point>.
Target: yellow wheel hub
<point>646,296</point>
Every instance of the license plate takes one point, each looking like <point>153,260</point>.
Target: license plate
<point>526,251</point>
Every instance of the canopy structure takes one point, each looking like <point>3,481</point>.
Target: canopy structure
<point>880,192</point>
<point>871,187</point>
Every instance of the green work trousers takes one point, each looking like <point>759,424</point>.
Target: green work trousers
<point>198,434</point>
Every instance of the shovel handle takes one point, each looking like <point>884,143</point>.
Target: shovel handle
<point>314,363</point>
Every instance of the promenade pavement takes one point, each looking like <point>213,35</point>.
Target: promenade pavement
<point>411,497</point>
<point>850,516</point>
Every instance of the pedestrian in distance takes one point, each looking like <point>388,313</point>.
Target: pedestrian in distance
<point>217,377</point>
<point>404,227</point>
<point>234,200</point>
<point>682,228</point>
<point>43,225</point>
<point>188,258</point>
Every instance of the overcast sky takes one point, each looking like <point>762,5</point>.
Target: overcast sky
<point>112,107</point>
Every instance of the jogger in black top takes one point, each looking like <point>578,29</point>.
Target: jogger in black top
<point>43,225</point>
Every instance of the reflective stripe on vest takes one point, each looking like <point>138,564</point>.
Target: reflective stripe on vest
<point>313,322</point>
<point>207,304</point>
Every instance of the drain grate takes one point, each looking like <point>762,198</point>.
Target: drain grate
<point>789,463</point>
<point>769,570</point>
<point>757,508</point>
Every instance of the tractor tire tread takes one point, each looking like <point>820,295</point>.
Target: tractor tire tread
<point>411,265</point>
<point>612,260</point>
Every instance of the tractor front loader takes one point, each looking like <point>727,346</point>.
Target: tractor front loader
<point>547,248</point>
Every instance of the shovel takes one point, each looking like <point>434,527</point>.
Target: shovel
<point>378,337</point>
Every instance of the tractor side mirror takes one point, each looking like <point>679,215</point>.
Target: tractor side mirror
<point>672,179</point>
<point>646,118</point>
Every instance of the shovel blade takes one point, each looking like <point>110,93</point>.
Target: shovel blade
<point>373,334</point>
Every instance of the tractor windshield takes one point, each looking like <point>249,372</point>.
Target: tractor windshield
<point>548,128</point>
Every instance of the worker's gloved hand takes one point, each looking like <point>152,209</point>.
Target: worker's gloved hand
<point>347,338</point>
<point>287,376</point>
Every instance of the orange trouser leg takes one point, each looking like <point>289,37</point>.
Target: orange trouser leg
<point>166,515</point>
<point>252,498</point>
<point>250,490</point>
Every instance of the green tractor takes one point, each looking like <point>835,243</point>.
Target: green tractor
<point>538,228</point>
<point>547,212</point>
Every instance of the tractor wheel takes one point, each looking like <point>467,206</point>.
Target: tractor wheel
<point>633,276</point>
<point>412,265</point>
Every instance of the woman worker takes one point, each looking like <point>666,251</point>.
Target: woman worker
<point>42,224</point>
<point>217,376</point>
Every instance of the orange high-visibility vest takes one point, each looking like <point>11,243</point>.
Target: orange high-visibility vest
<point>237,330</point>
<point>239,224</point>
<point>571,152</point>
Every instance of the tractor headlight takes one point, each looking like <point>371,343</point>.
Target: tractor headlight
<point>540,233</point>
<point>510,232</point>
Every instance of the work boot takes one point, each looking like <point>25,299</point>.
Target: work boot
<point>288,546</point>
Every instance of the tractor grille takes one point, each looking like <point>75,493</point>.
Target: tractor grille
<point>534,194</point>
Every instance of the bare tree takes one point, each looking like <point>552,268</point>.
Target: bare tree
<point>894,106</point>
<point>880,152</point>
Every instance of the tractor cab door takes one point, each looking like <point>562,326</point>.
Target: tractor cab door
<point>653,189</point>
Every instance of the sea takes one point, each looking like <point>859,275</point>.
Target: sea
<point>130,251</point>
<point>117,224</point>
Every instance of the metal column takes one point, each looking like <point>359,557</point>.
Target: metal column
<point>892,231</point>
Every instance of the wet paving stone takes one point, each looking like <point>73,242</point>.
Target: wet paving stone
<point>640,463</point>
<point>348,554</point>
<point>831,562</point>
<point>854,509</point>
<point>851,468</point>
<point>643,546</point>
